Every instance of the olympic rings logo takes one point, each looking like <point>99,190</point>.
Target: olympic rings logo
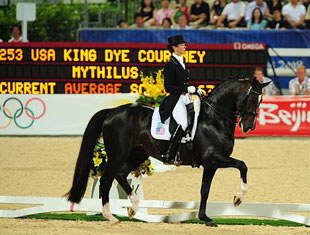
<point>13,113</point>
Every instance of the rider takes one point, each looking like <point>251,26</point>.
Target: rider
<point>176,77</point>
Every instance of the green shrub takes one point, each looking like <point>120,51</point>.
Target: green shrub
<point>56,22</point>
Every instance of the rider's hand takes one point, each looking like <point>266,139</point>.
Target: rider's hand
<point>201,92</point>
<point>191,89</point>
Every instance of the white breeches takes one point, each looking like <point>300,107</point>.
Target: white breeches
<point>179,112</point>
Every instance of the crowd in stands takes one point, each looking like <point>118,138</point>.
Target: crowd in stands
<point>300,85</point>
<point>252,15</point>
<point>255,14</point>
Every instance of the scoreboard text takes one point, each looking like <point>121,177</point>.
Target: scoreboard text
<point>89,68</point>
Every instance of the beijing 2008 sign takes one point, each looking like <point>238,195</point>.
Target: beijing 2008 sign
<point>89,68</point>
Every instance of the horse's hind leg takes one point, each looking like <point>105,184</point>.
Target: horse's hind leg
<point>122,180</point>
<point>106,181</point>
<point>118,147</point>
<point>136,158</point>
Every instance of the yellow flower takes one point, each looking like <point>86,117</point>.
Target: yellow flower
<point>97,161</point>
<point>150,169</point>
<point>153,87</point>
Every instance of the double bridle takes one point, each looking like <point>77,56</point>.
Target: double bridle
<point>238,114</point>
<point>245,102</point>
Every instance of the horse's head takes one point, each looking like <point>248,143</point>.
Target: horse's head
<point>248,104</point>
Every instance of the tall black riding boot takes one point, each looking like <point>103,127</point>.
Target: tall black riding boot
<point>190,122</point>
<point>171,155</point>
<point>190,117</point>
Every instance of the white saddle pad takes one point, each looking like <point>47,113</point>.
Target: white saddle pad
<point>160,131</point>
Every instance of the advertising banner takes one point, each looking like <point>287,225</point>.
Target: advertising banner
<point>53,114</point>
<point>69,114</point>
<point>282,116</point>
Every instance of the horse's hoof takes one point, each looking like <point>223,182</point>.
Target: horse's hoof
<point>237,201</point>
<point>114,222</point>
<point>131,212</point>
<point>211,224</point>
<point>111,219</point>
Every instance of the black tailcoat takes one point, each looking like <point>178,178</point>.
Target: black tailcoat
<point>176,82</point>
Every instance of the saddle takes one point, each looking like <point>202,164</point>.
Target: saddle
<point>164,130</point>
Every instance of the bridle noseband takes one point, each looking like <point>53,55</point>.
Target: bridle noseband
<point>243,112</point>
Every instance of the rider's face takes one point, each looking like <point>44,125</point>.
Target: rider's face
<point>179,49</point>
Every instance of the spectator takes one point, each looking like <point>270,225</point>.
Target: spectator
<point>217,10</point>
<point>277,22</point>
<point>166,24</point>
<point>164,12</point>
<point>232,15</point>
<point>295,14</point>
<point>271,89</point>
<point>182,23</point>
<point>253,5</point>
<point>122,24</point>
<point>257,22</point>
<point>139,22</point>
<point>147,12</point>
<point>182,9</point>
<point>272,6</point>
<point>200,13</point>
<point>16,34</point>
<point>1,40</point>
<point>301,84</point>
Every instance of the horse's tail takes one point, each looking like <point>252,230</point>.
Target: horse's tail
<point>84,161</point>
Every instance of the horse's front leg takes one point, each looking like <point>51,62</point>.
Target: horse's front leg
<point>241,166</point>
<point>208,174</point>
<point>238,198</point>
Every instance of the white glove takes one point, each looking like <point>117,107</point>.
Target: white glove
<point>201,92</point>
<point>191,89</point>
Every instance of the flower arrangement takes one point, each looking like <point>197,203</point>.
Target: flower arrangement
<point>154,89</point>
<point>100,160</point>
<point>145,168</point>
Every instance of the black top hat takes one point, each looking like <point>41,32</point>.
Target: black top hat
<point>175,40</point>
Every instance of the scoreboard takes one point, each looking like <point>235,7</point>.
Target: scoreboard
<point>92,68</point>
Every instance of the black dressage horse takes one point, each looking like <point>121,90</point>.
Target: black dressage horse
<point>128,142</point>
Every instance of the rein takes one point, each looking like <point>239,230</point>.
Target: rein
<point>237,113</point>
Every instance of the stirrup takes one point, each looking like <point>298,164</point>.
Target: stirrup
<point>167,160</point>
<point>176,163</point>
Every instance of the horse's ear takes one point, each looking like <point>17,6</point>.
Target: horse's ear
<point>254,80</point>
<point>265,84</point>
